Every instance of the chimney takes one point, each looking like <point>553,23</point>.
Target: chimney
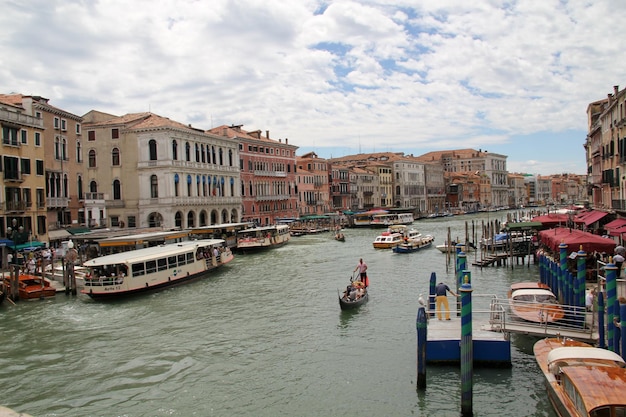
<point>280,141</point>
<point>267,134</point>
<point>286,141</point>
<point>616,89</point>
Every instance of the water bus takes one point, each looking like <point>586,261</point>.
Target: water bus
<point>264,237</point>
<point>154,268</point>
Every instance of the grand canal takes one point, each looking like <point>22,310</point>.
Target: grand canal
<point>264,336</point>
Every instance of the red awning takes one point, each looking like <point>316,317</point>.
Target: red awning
<point>552,219</point>
<point>616,228</point>
<point>575,240</point>
<point>590,217</point>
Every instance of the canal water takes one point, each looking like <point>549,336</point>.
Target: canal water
<point>263,336</point>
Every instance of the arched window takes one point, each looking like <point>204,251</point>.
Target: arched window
<point>57,148</point>
<point>190,219</point>
<point>230,157</point>
<point>115,157</point>
<point>203,153</point>
<point>174,150</point>
<point>154,186</point>
<point>92,158</point>
<point>93,187</point>
<point>79,152</point>
<point>178,220</point>
<point>197,153</point>
<point>152,150</point>
<point>187,152</point>
<point>117,190</point>
<point>189,185</point>
<point>221,157</point>
<point>213,155</point>
<point>79,183</point>
<point>176,185</point>
<point>64,149</point>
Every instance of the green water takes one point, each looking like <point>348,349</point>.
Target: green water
<point>264,336</point>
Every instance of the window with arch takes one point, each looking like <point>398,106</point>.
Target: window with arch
<point>221,157</point>
<point>178,219</point>
<point>93,187</point>
<point>79,184</point>
<point>213,154</point>
<point>117,190</point>
<point>115,157</point>
<point>187,152</point>
<point>189,185</point>
<point>175,150</point>
<point>190,219</point>
<point>154,186</point>
<point>197,153</point>
<point>79,152</point>
<point>92,158</point>
<point>203,150</point>
<point>152,150</point>
<point>230,157</point>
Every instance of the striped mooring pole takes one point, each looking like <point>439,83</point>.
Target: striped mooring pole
<point>421,325</point>
<point>467,353</point>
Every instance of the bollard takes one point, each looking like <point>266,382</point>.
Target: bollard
<point>611,298</point>
<point>431,296</point>
<point>421,326</point>
<point>467,354</point>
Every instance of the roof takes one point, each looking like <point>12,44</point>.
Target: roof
<point>580,352</point>
<point>575,239</point>
<point>155,252</point>
<point>524,226</point>
<point>590,217</point>
<point>532,291</point>
<point>616,227</point>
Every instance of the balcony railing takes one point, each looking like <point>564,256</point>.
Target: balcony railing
<point>16,206</point>
<point>56,202</point>
<point>262,173</point>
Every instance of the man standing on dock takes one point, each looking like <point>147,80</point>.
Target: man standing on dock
<point>441,291</point>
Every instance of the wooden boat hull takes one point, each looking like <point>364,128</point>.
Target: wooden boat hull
<point>413,246</point>
<point>350,305</point>
<point>539,313</point>
<point>534,302</point>
<point>33,287</point>
<point>580,375</point>
<point>450,249</point>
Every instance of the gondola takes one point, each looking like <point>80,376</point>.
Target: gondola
<point>348,302</point>
<point>340,237</point>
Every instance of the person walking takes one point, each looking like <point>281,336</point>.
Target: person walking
<point>441,291</point>
<point>362,268</point>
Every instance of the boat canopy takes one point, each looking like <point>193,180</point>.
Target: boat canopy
<point>584,353</point>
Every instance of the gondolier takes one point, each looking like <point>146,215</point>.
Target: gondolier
<point>362,268</point>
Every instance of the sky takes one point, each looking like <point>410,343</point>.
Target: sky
<point>333,77</point>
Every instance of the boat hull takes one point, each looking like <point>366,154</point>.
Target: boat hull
<point>350,305</point>
<point>153,269</point>
<point>413,246</point>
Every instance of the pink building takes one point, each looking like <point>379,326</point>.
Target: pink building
<point>269,191</point>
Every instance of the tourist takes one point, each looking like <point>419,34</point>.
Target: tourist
<point>589,299</point>
<point>362,268</point>
<point>441,291</point>
<point>618,260</point>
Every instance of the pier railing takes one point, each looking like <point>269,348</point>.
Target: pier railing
<point>577,323</point>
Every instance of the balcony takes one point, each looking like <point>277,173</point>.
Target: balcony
<point>57,202</point>
<point>16,206</point>
<point>13,176</point>
<point>281,174</point>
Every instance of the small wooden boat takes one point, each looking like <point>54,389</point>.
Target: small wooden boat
<point>414,245</point>
<point>355,295</point>
<point>340,237</point>
<point>537,305</point>
<point>582,380</point>
<point>32,287</point>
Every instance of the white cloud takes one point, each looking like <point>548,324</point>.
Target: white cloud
<point>412,76</point>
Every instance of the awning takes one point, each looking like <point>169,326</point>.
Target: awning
<point>524,226</point>
<point>29,245</point>
<point>575,240</point>
<point>58,234</point>
<point>590,217</point>
<point>79,230</point>
<point>616,227</point>
<point>6,242</point>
